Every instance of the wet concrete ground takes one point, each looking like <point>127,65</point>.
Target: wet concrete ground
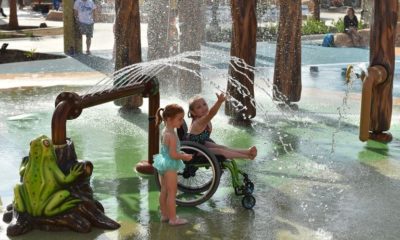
<point>313,178</point>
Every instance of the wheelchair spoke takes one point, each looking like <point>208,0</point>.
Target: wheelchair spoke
<point>200,178</point>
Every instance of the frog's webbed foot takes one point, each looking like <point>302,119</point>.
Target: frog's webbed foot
<point>8,214</point>
<point>71,203</point>
<point>95,215</point>
<point>23,225</point>
<point>71,221</point>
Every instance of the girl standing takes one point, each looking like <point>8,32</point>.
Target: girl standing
<point>169,161</point>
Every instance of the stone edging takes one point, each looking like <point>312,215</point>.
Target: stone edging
<point>36,32</point>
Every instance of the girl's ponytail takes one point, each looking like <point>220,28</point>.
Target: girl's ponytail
<point>169,111</point>
<point>159,117</point>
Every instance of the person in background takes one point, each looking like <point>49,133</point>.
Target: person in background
<point>351,26</point>
<point>56,4</point>
<point>21,4</point>
<point>84,13</point>
<point>2,10</point>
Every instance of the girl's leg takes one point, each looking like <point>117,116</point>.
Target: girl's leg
<point>171,182</point>
<point>163,199</point>
<point>227,152</point>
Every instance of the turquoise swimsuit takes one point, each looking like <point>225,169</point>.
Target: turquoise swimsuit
<point>163,161</point>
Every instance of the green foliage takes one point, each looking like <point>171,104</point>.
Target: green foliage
<point>314,27</point>
<point>30,54</point>
<point>339,25</point>
<point>266,33</point>
<point>29,34</point>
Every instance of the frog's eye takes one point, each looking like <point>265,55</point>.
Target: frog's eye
<point>46,143</point>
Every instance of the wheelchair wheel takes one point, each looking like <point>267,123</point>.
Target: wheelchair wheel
<point>248,201</point>
<point>200,178</point>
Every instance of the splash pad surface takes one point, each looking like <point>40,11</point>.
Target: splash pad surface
<point>313,178</point>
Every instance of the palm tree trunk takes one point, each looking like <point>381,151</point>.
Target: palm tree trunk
<point>243,46</point>
<point>287,73</point>
<point>13,23</point>
<point>192,28</point>
<point>127,42</point>
<point>317,10</point>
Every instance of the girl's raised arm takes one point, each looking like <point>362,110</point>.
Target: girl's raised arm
<point>203,121</point>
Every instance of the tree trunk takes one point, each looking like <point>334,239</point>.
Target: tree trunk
<point>243,46</point>
<point>127,41</point>
<point>287,73</point>
<point>72,36</point>
<point>382,52</point>
<point>192,29</point>
<point>317,10</point>
<point>13,23</point>
<point>157,29</point>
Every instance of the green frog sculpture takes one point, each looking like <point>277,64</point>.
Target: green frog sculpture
<point>47,198</point>
<point>42,191</point>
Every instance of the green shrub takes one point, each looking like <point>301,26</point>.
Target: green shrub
<point>30,54</point>
<point>314,27</point>
<point>340,25</point>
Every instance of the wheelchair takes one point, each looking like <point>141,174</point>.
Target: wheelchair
<point>201,176</point>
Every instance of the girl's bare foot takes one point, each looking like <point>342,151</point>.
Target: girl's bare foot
<point>164,219</point>
<point>252,152</point>
<point>178,221</point>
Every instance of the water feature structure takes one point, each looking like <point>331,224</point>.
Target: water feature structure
<point>83,211</point>
<point>376,106</point>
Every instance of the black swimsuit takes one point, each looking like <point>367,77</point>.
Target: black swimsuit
<point>201,137</point>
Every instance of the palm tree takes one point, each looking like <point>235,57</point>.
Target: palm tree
<point>317,10</point>
<point>13,23</point>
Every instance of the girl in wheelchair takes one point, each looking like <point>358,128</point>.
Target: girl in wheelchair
<point>200,128</point>
<point>169,161</point>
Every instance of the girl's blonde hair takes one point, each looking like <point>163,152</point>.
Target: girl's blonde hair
<point>169,111</point>
<point>192,101</point>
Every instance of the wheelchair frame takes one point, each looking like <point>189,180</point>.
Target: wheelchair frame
<point>211,166</point>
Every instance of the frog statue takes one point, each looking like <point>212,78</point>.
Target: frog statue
<point>44,199</point>
<point>42,191</point>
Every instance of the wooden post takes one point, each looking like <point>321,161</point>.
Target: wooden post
<point>72,36</point>
<point>243,46</point>
<point>287,73</point>
<point>13,18</point>
<point>192,29</point>
<point>146,167</point>
<point>157,29</point>
<point>382,52</point>
<point>316,10</point>
<point>128,49</point>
